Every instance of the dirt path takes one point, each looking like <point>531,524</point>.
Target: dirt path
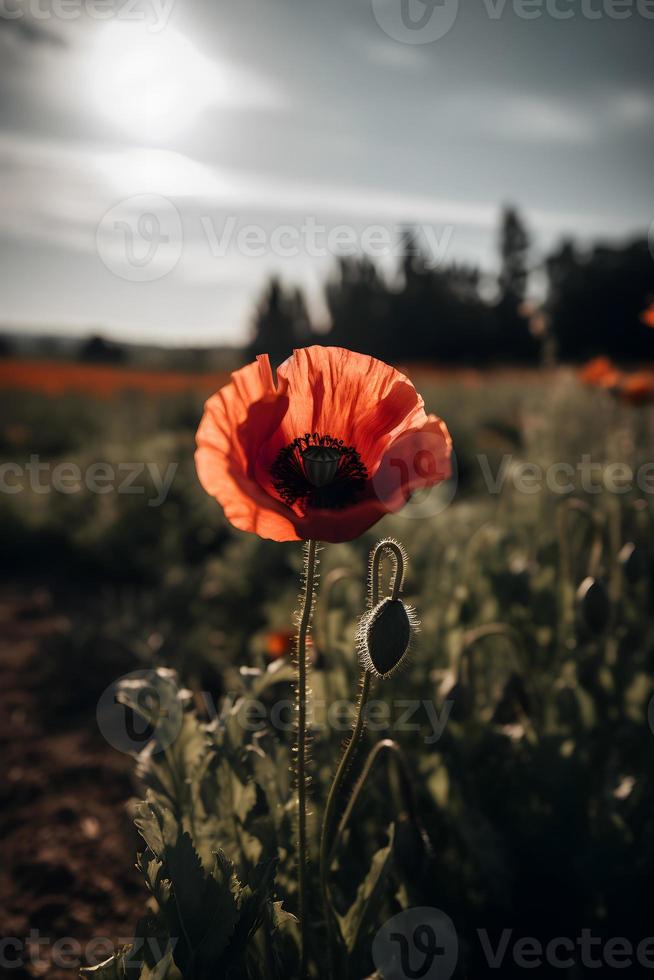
<point>68,846</point>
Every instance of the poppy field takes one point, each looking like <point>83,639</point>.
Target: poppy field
<point>480,803</point>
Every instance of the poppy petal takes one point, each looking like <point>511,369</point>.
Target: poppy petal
<point>236,419</point>
<point>349,396</point>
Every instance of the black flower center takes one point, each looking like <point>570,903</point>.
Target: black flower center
<point>318,471</point>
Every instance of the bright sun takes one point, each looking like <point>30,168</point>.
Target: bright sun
<point>151,84</point>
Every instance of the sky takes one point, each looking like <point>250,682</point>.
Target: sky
<point>160,159</point>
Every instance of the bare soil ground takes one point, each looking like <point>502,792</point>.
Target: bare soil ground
<point>67,843</point>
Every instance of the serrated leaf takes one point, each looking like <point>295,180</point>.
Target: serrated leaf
<point>152,870</point>
<point>152,953</point>
<point>155,823</point>
<point>254,897</point>
<point>204,910</point>
<point>175,774</point>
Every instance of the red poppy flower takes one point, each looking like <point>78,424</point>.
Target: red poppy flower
<point>279,643</point>
<point>638,389</point>
<point>647,316</point>
<point>601,373</point>
<point>337,441</point>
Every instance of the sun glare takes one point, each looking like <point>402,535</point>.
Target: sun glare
<point>151,84</point>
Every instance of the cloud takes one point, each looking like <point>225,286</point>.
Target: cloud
<point>24,30</point>
<point>389,54</point>
<point>633,109</point>
<point>533,118</point>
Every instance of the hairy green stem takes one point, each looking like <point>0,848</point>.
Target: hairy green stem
<point>301,747</point>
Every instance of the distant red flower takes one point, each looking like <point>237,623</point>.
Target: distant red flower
<point>637,389</point>
<point>279,643</point>
<point>600,373</point>
<point>323,452</point>
<point>647,316</point>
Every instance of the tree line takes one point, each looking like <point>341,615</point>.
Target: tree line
<point>454,314</point>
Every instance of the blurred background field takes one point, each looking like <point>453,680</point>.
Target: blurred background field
<point>537,797</point>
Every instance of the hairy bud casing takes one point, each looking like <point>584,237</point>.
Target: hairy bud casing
<point>385,636</point>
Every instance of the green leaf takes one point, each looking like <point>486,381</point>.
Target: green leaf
<point>254,897</point>
<point>151,956</point>
<point>369,894</point>
<point>175,773</point>
<point>152,870</point>
<point>204,910</point>
<point>155,823</point>
<point>155,696</point>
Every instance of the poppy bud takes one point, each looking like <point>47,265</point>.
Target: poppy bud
<point>385,636</point>
<point>593,602</point>
<point>633,562</point>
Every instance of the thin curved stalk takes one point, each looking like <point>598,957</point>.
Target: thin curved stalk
<point>403,788</point>
<point>309,591</point>
<point>381,550</point>
<point>567,585</point>
<point>330,807</point>
<point>386,745</point>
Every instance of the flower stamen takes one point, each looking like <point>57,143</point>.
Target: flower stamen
<point>318,471</point>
